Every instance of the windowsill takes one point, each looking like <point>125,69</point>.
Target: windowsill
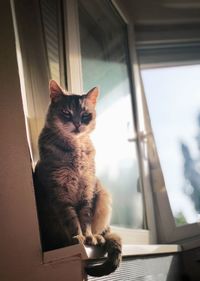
<point>140,250</point>
<point>84,253</point>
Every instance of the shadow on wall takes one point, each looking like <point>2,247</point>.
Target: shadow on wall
<point>176,270</point>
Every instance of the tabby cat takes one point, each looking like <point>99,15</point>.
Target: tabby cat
<point>73,206</point>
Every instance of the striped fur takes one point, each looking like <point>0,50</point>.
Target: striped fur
<point>73,206</point>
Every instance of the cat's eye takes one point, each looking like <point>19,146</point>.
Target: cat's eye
<point>67,114</point>
<point>86,116</point>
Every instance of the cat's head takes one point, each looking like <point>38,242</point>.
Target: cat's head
<point>71,114</point>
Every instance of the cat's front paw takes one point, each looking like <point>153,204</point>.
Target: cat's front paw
<point>100,239</point>
<point>78,239</point>
<point>91,240</point>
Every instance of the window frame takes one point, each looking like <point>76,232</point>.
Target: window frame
<point>72,45</point>
<point>168,232</point>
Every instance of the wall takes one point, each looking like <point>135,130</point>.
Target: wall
<point>154,268</point>
<point>21,255</point>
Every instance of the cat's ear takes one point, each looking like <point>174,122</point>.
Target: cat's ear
<point>92,95</point>
<point>55,90</point>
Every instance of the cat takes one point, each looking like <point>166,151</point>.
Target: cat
<point>73,206</point>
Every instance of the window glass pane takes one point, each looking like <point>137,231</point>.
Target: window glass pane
<point>173,97</point>
<point>51,19</point>
<point>104,63</point>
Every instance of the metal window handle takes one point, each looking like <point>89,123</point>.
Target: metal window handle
<point>142,135</point>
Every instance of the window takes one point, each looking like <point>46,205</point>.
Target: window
<point>169,72</point>
<point>105,63</point>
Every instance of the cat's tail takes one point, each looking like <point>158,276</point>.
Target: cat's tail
<point>113,247</point>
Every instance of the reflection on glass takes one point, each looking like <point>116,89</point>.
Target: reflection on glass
<point>173,97</point>
<point>104,63</point>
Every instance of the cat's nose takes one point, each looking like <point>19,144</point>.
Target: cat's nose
<point>77,124</point>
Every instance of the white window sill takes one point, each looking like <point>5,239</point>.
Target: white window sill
<point>84,253</point>
<point>139,250</point>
